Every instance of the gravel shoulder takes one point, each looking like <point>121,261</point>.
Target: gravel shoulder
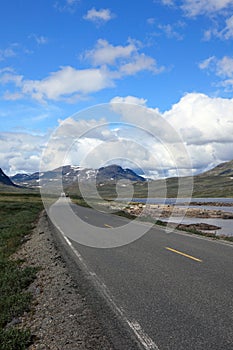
<point>60,317</point>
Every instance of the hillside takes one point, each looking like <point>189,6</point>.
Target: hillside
<point>5,180</point>
<point>216,182</point>
<point>223,169</point>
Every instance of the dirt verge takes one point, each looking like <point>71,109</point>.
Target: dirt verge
<point>60,317</point>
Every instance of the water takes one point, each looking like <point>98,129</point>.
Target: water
<point>180,200</point>
<point>225,224</point>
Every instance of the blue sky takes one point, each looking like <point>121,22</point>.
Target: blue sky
<point>58,57</point>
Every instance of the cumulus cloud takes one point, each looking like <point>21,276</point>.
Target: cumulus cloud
<point>206,63</point>
<point>66,82</point>
<point>129,100</point>
<point>168,2</point>
<point>143,136</point>
<point>193,8</point>
<point>106,53</point>
<point>206,126</point>
<point>170,30</point>
<point>223,69</point>
<point>66,5</point>
<point>20,152</point>
<point>99,16</point>
<point>70,84</point>
<point>9,76</point>
<point>63,84</point>
<point>7,53</point>
<point>201,119</point>
<point>127,59</point>
<point>139,63</point>
<point>225,33</point>
<point>40,39</point>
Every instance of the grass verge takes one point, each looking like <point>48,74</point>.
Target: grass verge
<point>18,214</point>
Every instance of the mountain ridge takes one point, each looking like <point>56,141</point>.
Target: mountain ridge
<point>216,182</point>
<point>71,174</point>
<point>5,180</point>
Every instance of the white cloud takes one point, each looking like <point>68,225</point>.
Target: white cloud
<point>151,20</point>
<point>70,84</point>
<point>204,124</point>
<point>223,68</point>
<point>40,39</point>
<point>129,100</point>
<point>105,53</point>
<point>9,76</point>
<point>170,31</point>
<point>9,96</point>
<point>127,59</point>
<point>225,33</point>
<point>7,53</point>
<point>66,82</point>
<point>201,119</point>
<point>63,84</point>
<point>99,16</point>
<point>168,2</point>
<point>66,5</point>
<point>206,63</point>
<point>140,62</point>
<point>193,8</point>
<point>20,152</point>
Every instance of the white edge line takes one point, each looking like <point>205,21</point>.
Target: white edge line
<point>143,338</point>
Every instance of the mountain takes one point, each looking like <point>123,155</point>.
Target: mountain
<point>216,182</point>
<point>21,178</point>
<point>223,169</point>
<point>115,173</point>
<point>72,174</point>
<point>5,180</point>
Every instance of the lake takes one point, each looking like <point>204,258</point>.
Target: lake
<point>225,224</point>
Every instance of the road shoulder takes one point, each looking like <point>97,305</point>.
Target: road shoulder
<point>60,317</point>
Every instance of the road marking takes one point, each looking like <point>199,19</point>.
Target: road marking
<point>186,255</point>
<point>109,226</point>
<point>142,336</point>
<point>86,217</point>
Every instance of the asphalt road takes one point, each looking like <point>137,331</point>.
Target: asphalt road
<point>175,288</point>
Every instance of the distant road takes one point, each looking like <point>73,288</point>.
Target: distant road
<point>175,289</point>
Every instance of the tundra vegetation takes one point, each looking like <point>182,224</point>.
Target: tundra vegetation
<point>18,214</point>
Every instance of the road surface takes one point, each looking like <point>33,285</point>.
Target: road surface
<point>175,289</point>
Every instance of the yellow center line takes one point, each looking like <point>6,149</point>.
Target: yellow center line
<point>108,225</point>
<point>186,255</point>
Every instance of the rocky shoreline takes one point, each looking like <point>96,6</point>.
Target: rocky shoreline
<point>212,204</point>
<point>163,211</point>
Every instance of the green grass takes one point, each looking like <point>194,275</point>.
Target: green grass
<point>18,214</point>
